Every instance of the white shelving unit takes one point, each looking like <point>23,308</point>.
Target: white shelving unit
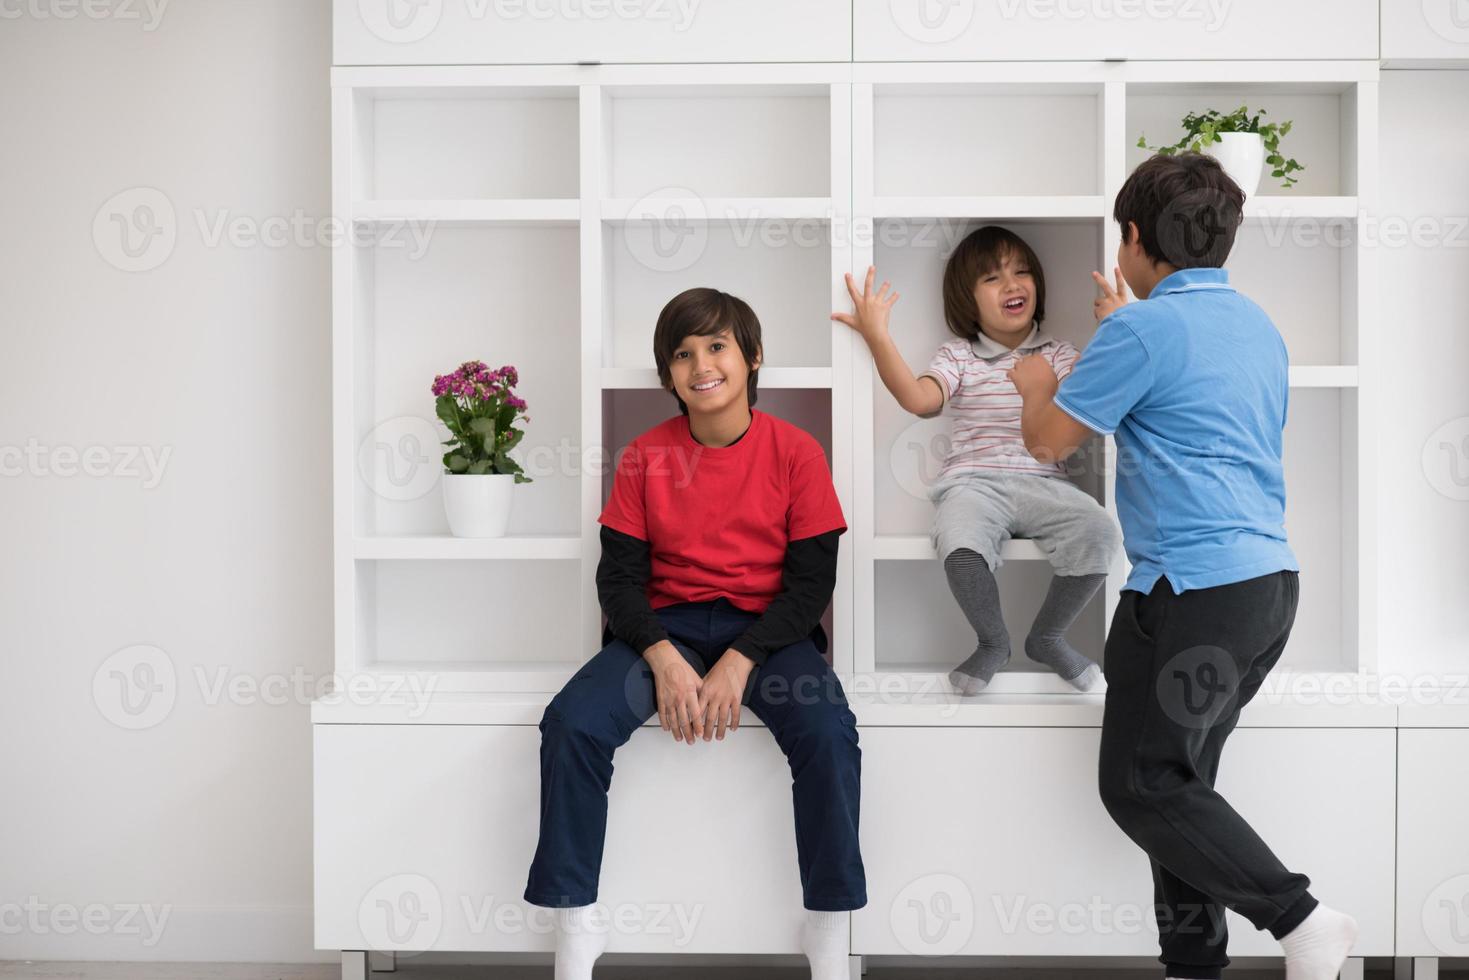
<point>771,181</point>
<point>541,216</point>
<point>1060,139</point>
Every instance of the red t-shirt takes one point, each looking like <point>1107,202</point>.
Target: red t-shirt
<point>718,518</point>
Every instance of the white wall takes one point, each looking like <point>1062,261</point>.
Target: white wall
<point>220,357</point>
<point>1424,310</point>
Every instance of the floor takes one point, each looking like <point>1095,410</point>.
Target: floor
<point>18,970</point>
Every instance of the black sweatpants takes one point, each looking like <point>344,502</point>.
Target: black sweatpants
<point>1179,668</point>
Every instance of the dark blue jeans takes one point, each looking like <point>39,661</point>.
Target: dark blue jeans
<point>796,694</point>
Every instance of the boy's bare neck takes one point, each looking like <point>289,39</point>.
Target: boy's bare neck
<point>721,429</point>
<point>1160,271</point>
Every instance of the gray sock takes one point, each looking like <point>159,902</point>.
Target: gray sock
<point>973,585</point>
<point>1047,644</point>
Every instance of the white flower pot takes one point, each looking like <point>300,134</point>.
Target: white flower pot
<point>478,506</point>
<point>1242,155</point>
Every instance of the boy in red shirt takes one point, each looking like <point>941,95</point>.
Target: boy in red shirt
<point>719,550</point>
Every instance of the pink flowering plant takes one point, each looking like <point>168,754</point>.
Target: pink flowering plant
<point>480,408</point>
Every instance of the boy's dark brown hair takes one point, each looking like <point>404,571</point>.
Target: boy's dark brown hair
<point>981,252</point>
<point>703,312</point>
<point>1186,208</point>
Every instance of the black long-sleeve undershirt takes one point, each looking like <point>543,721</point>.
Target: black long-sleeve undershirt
<point>808,578</point>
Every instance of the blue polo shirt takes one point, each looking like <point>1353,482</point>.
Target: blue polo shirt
<point>1193,382</point>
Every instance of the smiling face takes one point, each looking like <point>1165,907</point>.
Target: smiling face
<point>1006,299</point>
<point>710,373</point>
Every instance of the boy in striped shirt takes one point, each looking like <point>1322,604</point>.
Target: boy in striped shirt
<point>990,487</point>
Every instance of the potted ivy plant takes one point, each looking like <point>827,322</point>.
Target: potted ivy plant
<point>1239,141</point>
<point>479,407</point>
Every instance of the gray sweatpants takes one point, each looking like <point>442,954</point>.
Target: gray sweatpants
<point>980,510</point>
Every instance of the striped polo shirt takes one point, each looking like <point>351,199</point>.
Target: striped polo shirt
<point>983,406</point>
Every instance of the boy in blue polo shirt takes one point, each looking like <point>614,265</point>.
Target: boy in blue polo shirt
<point>1194,384</point>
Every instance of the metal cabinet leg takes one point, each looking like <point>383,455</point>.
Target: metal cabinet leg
<point>382,961</point>
<point>354,964</point>
<point>1353,969</point>
<point>1415,968</point>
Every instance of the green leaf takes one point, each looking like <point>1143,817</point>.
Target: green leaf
<point>447,411</point>
<point>479,467</point>
<point>458,464</point>
<point>505,417</point>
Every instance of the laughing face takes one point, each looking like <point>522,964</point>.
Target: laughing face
<point>1005,297</point>
<point>710,373</point>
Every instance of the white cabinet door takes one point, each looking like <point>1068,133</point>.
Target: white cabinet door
<point>501,32</point>
<point>424,835</point>
<point>1433,852</point>
<point>993,842</point>
<point>1435,31</point>
<point>1090,30</point>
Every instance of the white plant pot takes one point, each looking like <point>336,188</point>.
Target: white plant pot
<point>1242,155</point>
<point>478,506</point>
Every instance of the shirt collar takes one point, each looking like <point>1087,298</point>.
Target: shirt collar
<point>987,347</point>
<point>1185,280</point>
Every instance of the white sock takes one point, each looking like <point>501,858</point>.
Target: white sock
<point>577,944</point>
<point>1317,948</point>
<point>826,939</point>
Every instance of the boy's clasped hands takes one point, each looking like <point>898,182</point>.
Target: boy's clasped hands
<point>693,707</point>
